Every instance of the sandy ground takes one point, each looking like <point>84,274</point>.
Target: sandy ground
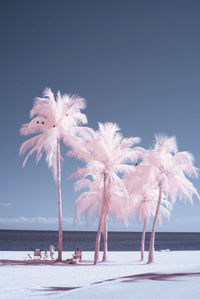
<point>172,275</point>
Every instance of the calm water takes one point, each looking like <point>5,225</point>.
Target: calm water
<point>117,241</point>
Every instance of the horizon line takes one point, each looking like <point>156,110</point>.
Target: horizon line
<point>94,231</point>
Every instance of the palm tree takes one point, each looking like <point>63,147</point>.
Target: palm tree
<point>146,208</point>
<point>90,202</point>
<point>143,199</point>
<point>53,119</point>
<point>167,170</point>
<point>106,153</point>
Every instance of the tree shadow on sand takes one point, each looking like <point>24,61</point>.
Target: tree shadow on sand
<point>150,276</point>
<point>129,278</point>
<point>38,262</point>
<point>58,289</point>
<point>157,276</point>
<point>32,262</point>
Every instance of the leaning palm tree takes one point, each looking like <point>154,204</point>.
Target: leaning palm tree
<point>53,118</point>
<point>90,202</point>
<point>146,207</point>
<point>106,153</point>
<point>143,199</point>
<point>167,170</point>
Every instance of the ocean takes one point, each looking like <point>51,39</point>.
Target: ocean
<point>28,240</point>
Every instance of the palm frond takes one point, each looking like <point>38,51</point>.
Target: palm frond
<point>29,143</point>
<point>165,143</point>
<point>184,161</point>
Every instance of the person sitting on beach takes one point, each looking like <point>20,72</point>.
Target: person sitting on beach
<point>51,249</point>
<point>71,261</point>
<point>77,255</point>
<point>30,256</point>
<point>45,255</point>
<point>37,254</point>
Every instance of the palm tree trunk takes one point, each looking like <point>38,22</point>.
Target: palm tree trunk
<point>98,238</point>
<point>106,211</point>
<point>105,237</point>
<point>151,245</point>
<point>143,239</point>
<point>59,203</point>
<point>101,220</point>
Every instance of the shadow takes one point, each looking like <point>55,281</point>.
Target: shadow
<point>58,289</point>
<point>157,276</point>
<point>128,279</point>
<point>107,280</point>
<point>150,276</point>
<point>34,263</point>
<point>41,262</point>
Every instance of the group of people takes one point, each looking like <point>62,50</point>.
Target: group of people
<point>45,256</point>
<point>51,250</point>
<point>76,257</point>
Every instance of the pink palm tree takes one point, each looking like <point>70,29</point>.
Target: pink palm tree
<point>90,202</point>
<point>106,153</point>
<point>53,119</point>
<point>167,169</point>
<point>146,208</point>
<point>143,199</point>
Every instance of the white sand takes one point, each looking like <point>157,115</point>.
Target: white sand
<point>24,281</point>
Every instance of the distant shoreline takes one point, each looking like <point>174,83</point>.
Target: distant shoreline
<point>94,231</point>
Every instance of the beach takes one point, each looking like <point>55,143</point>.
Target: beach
<point>172,274</point>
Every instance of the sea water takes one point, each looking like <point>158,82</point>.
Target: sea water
<point>27,240</point>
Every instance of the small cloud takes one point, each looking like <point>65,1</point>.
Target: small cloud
<point>4,204</point>
<point>33,220</point>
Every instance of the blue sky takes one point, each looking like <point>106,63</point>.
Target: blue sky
<point>137,63</point>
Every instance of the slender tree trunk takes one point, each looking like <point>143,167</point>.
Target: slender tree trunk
<point>105,237</point>
<point>98,238</point>
<point>59,203</point>
<point>151,245</point>
<point>106,211</point>
<point>101,223</point>
<point>143,239</point>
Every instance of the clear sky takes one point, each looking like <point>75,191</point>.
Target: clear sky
<point>137,63</point>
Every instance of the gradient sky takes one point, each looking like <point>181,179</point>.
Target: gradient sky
<point>137,63</point>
